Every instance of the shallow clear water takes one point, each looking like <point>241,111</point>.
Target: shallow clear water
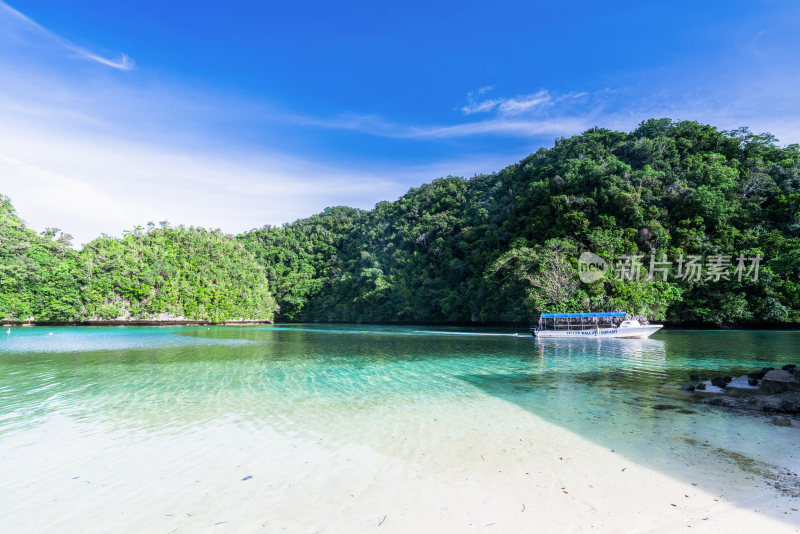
<point>389,389</point>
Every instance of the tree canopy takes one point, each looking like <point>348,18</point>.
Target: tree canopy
<point>493,248</point>
<point>503,247</point>
<point>154,273</point>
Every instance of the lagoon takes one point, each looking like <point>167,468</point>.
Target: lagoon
<point>349,428</point>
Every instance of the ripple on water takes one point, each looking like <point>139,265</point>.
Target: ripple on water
<point>370,385</point>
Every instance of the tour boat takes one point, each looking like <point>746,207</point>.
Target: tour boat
<point>601,324</point>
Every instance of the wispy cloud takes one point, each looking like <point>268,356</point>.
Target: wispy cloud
<point>93,153</point>
<point>535,114</point>
<point>506,106</point>
<point>480,107</point>
<point>547,113</point>
<point>87,183</point>
<point>503,126</point>
<point>122,63</point>
<point>96,153</point>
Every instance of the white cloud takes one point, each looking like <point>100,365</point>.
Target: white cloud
<point>122,63</point>
<point>93,153</point>
<point>503,126</point>
<point>515,106</point>
<point>505,106</point>
<point>480,107</point>
<point>507,127</point>
<point>88,185</point>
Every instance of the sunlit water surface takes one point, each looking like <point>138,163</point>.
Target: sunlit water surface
<point>94,403</point>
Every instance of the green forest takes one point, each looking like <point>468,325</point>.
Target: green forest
<point>157,273</point>
<point>493,248</point>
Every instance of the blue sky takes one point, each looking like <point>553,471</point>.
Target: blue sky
<point>240,114</point>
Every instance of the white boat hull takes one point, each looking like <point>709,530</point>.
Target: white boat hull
<point>639,332</point>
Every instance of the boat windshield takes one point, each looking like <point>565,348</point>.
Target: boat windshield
<point>580,321</point>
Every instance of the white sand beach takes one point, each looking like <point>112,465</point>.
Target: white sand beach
<point>497,469</point>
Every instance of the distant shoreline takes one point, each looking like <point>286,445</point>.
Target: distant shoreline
<point>131,322</point>
<point>668,325</point>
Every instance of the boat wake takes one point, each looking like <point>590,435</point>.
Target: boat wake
<point>464,333</point>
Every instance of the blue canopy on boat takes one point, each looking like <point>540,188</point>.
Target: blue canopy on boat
<point>593,314</point>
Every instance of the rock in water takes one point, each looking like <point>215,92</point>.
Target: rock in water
<point>790,367</point>
<point>706,389</point>
<point>721,381</point>
<point>779,382</point>
<point>687,387</point>
<point>781,420</point>
<point>790,403</point>
<point>763,372</point>
<point>741,386</point>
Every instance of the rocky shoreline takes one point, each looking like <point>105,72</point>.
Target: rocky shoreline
<point>769,391</point>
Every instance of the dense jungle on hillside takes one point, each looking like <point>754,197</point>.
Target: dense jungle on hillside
<point>492,248</point>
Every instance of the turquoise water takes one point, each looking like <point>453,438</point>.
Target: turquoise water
<point>389,389</point>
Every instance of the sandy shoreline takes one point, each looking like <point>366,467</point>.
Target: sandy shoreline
<point>500,469</point>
